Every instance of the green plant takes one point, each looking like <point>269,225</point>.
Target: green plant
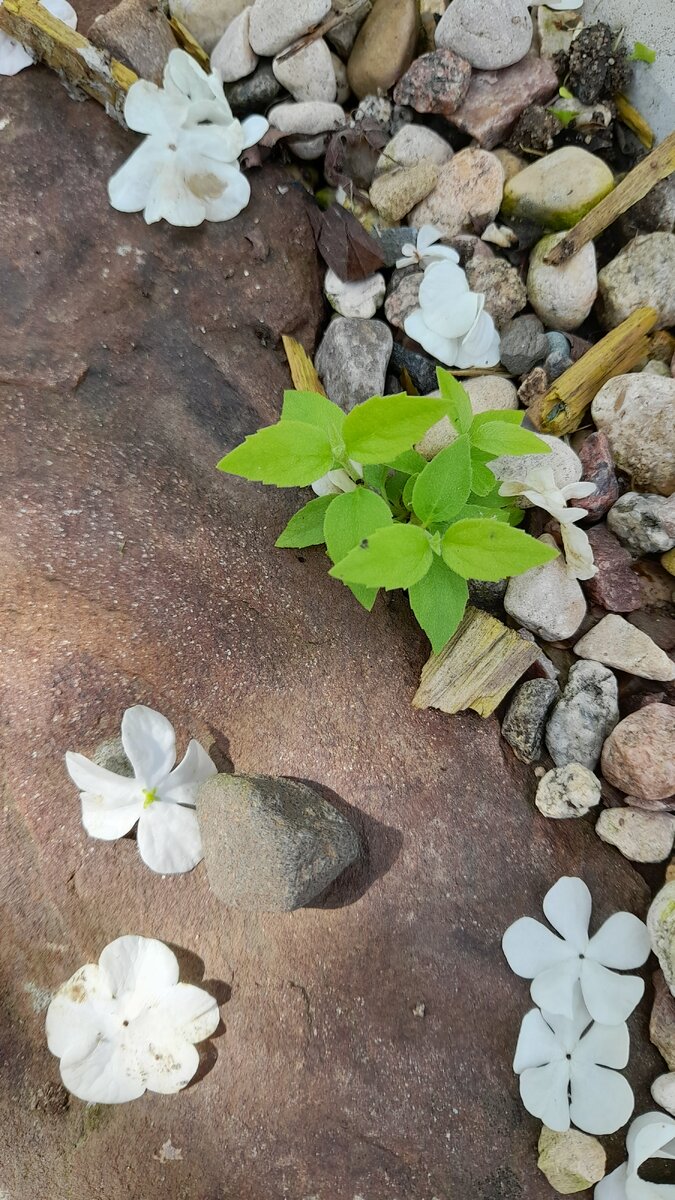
<point>400,521</point>
<point>642,53</point>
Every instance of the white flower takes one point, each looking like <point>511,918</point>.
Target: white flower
<point>162,800</point>
<point>541,489</point>
<point>359,299</point>
<point>559,5</point>
<point>13,57</point>
<point>450,323</point>
<point>565,1077</point>
<point>126,1024</point>
<point>556,964</point>
<point>333,483</point>
<point>186,170</point>
<point>650,1136</point>
<point>425,252</point>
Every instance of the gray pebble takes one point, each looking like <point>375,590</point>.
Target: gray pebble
<point>392,241</point>
<point>110,755</point>
<point>421,369</point>
<point>352,360</point>
<point>525,721</point>
<point>523,344</point>
<point>256,92</point>
<point>584,717</point>
<point>643,523</point>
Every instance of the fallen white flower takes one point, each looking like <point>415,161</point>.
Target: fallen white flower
<point>425,251</point>
<point>126,1024</point>
<point>650,1136</point>
<point>557,964</point>
<point>567,1078</point>
<point>541,489</point>
<point>187,169</point>
<point>450,322</point>
<point>160,798</point>
<point>500,235</point>
<point>360,298</point>
<point>333,483</point>
<point>13,57</point>
<point>559,5</point>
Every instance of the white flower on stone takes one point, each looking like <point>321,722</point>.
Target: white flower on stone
<point>187,169</point>
<point>125,1024</point>
<point>333,483</point>
<point>567,1078</point>
<point>650,1136</point>
<point>556,965</point>
<point>160,797</point>
<point>541,489</point>
<point>425,251</point>
<point>450,322</point>
<point>13,57</point>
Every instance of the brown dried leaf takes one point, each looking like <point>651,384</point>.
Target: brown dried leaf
<point>344,244</point>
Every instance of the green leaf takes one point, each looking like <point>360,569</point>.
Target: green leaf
<point>457,403</point>
<point>396,482</point>
<point>566,93</point>
<point>485,511</point>
<point>479,549</point>
<point>350,518</point>
<point>395,557</point>
<point>642,53</point>
<point>564,115</point>
<point>375,477</point>
<point>410,462</point>
<point>444,484</point>
<point>501,437</point>
<point>482,479</point>
<point>513,416</point>
<point>306,527</point>
<point>408,491</point>
<point>381,428</point>
<point>314,409</point>
<point>290,454</point>
<point>438,600</point>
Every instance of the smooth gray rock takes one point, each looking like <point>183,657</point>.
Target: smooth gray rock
<point>489,34</point>
<point>391,242</point>
<point>525,721</point>
<point>352,360</point>
<point>523,344</point>
<point>271,845</point>
<point>641,274</point>
<point>256,92</point>
<point>584,716</point>
<point>643,523</point>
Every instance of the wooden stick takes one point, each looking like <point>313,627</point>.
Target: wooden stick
<point>331,22</point>
<point>563,406</point>
<point>303,371</point>
<point>656,166</point>
<point>634,120</point>
<point>82,65</point>
<point>190,44</point>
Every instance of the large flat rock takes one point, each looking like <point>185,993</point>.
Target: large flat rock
<point>131,571</point>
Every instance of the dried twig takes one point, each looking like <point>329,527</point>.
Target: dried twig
<point>332,21</point>
<point>303,371</point>
<point>189,43</point>
<point>634,120</point>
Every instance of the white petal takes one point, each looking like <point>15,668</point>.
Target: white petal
<point>108,819</point>
<point>190,1011</point>
<point>568,907</point>
<point>578,491</point>
<point>89,777</point>
<point>129,187</point>
<point>234,197</point>
<point>183,77</point>
<point>609,998</point>
<point>169,840</point>
<point>444,349</point>
<point>184,781</point>
<point>650,1136</point>
<point>221,143</point>
<point>529,948</point>
<point>171,199</point>
<point>543,1091</point>
<point>325,486</point>
<point>72,1024</point>
<point>148,109</point>
<point>622,942</point>
<point>537,1043</point>
<point>254,128</point>
<point>149,743</point>
<point>612,1187</point>
<point>482,344</point>
<point>436,253</point>
<point>426,236</point>
<point>157,1054</point>
<point>102,1077</point>
<point>604,1045</point>
<point>454,318</point>
<point>553,990</point>
<point>601,1101</point>
<point>63,11</point>
<point>13,57</point>
<point>578,551</point>
<point>443,282</point>
<point>568,1030</point>
<point>141,965</point>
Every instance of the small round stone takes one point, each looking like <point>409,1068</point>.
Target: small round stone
<point>569,791</point>
<point>638,756</point>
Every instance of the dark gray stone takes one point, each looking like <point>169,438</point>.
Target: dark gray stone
<point>392,241</point>
<point>523,344</point>
<point>421,369</point>
<point>271,845</point>
<point>488,595</point>
<point>256,92</point>
<point>584,717</point>
<point>643,523</point>
<point>525,721</point>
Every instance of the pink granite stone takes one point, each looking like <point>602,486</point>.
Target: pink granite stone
<point>496,99</point>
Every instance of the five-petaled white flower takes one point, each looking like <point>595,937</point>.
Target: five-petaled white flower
<point>565,1078</point>
<point>541,489</point>
<point>426,251</point>
<point>650,1136</point>
<point>451,323</point>
<point>557,964</point>
<point>160,798</point>
<point>187,169</point>
<point>126,1024</point>
<point>13,57</point>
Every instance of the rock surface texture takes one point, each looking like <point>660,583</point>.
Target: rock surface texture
<point>637,412</point>
<point>131,571</point>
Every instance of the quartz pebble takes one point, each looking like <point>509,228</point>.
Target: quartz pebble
<point>562,296</point>
<point>207,20</point>
<point>495,100</point>
<point>233,58</point>
<point>598,468</point>
<point>637,412</point>
<point>384,47</point>
<point>558,190</point>
<point>585,715</point>
<point>641,274</point>
<point>618,644</point>
<point>277,23</point>
<point>561,459</point>
<point>662,1019</point>
<point>645,837</point>
<point>467,196</point>
<point>489,34</point>
<point>394,193</point>
<point>663,1092</point>
<point>501,285</point>
<point>413,144</point>
<point>569,791</point>
<point>571,1161</point>
<point>643,523</point>
<point>523,344</point>
<point>616,587</point>
<point>309,74</point>
<point>138,34</point>
<point>435,83</point>
<point>546,600</point>
<point>352,360</point>
<point>525,721</point>
<point>360,299</point>
<point>637,757</point>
